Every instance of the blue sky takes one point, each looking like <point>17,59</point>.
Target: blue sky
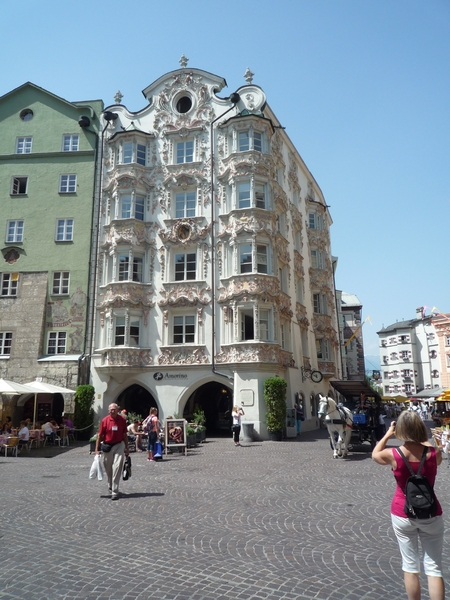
<point>362,87</point>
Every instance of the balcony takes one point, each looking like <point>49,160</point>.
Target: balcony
<point>183,355</point>
<point>126,294</point>
<point>184,294</point>
<point>254,352</point>
<point>126,357</point>
<point>238,287</point>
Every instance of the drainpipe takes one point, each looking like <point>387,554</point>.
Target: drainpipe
<point>108,116</point>
<point>234,98</point>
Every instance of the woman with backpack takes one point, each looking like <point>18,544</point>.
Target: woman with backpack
<point>424,524</point>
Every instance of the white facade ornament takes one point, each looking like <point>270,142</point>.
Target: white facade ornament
<point>118,97</point>
<point>183,61</point>
<point>248,75</point>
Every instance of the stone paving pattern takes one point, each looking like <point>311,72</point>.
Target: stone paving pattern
<point>267,520</point>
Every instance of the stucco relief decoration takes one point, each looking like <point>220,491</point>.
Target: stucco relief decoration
<point>327,367</point>
<point>179,82</point>
<point>297,222</point>
<point>176,294</point>
<point>219,257</point>
<point>248,223</point>
<point>293,174</point>
<point>161,198</point>
<point>280,198</point>
<point>256,353</point>
<point>253,98</point>
<point>162,261</point>
<point>205,249</point>
<point>298,265</point>
<point>322,325</point>
<point>318,278</point>
<point>284,305</point>
<point>197,233</point>
<point>282,249</point>
<point>185,356</point>
<point>249,286</point>
<point>128,357</point>
<point>119,295</point>
<point>318,239</point>
<point>200,316</point>
<point>119,232</point>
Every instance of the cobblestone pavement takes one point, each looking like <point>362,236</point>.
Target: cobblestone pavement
<point>267,520</point>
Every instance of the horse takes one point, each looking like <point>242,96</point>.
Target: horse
<point>339,422</point>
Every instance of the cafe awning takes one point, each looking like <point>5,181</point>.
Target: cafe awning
<point>354,389</point>
<point>433,393</point>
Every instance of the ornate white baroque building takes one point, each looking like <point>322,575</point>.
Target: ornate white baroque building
<point>213,259</point>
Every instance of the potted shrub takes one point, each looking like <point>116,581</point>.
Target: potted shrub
<point>92,443</point>
<point>199,421</point>
<point>84,413</point>
<point>275,399</point>
<point>190,435</point>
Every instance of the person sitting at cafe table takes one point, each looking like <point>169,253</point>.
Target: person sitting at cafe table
<point>7,425</point>
<point>68,424</point>
<point>135,434</point>
<point>24,434</point>
<point>50,428</point>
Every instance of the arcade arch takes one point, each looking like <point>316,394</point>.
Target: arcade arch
<point>216,400</point>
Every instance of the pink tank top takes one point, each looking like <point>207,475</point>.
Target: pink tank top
<point>401,474</point>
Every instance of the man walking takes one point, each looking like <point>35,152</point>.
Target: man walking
<point>112,439</point>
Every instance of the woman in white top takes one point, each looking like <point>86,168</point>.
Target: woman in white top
<point>236,426</point>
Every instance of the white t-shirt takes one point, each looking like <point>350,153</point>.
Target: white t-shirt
<point>236,417</point>
<point>24,434</point>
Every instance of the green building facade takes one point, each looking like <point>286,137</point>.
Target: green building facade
<point>48,162</point>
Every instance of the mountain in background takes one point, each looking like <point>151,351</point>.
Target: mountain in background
<point>372,362</point>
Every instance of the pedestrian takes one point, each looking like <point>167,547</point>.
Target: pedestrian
<point>236,415</point>
<point>151,424</point>
<point>112,439</point>
<point>411,431</point>
<point>299,416</point>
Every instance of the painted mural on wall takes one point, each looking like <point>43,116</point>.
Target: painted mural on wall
<point>69,313</point>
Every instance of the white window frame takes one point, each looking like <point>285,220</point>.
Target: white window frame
<point>185,204</point>
<point>250,140</point>
<point>133,153</point>
<point>315,221</point>
<point>68,183</point>
<point>320,304</point>
<point>185,266</point>
<point>136,207</point>
<point>184,152</point>
<point>5,343</point>
<point>259,255</point>
<point>9,285</point>
<point>317,259</point>
<point>24,145</point>
<point>183,329</point>
<point>14,231</point>
<point>60,283</point>
<point>71,142</point>
<point>257,321</point>
<point>64,230</point>
<point>130,269</point>
<point>323,349</point>
<point>250,194</point>
<point>19,185</point>
<point>127,329</point>
<point>56,343</point>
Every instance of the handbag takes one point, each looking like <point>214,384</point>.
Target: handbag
<point>126,469</point>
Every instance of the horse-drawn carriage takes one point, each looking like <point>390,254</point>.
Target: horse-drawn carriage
<point>353,423</point>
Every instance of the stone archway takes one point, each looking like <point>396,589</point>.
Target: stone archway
<point>216,399</point>
<point>136,399</point>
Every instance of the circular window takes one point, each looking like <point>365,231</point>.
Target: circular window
<point>26,114</point>
<point>184,104</point>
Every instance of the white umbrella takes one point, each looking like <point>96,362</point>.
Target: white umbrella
<point>40,387</point>
<point>13,388</point>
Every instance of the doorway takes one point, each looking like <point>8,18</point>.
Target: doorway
<point>136,399</point>
<point>216,400</point>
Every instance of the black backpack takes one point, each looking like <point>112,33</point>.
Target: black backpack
<point>420,500</point>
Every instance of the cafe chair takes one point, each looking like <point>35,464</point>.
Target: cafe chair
<point>12,444</point>
<point>64,437</point>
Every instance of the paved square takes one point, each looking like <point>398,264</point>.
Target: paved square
<point>267,520</point>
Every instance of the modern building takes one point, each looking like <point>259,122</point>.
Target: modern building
<point>214,259</point>
<point>415,354</point>
<point>48,151</point>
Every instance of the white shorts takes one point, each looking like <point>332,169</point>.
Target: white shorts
<point>431,535</point>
